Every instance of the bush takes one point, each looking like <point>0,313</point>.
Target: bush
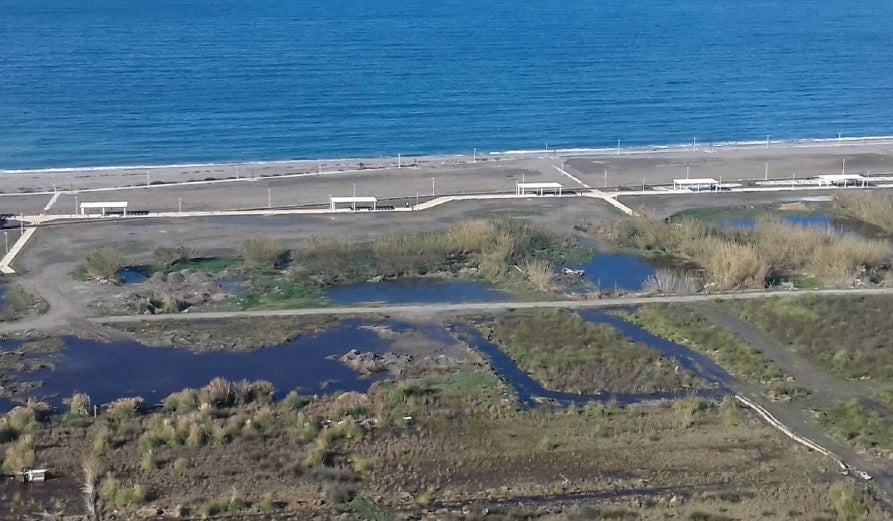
<point>102,440</point>
<point>20,454</point>
<point>539,272</point>
<point>125,408</point>
<point>264,251</point>
<point>183,401</point>
<point>149,461</point>
<point>104,263</point>
<point>79,405</point>
<point>165,256</point>
<point>846,502</point>
<point>231,504</point>
<point>121,496</point>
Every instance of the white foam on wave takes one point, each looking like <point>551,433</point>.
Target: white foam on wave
<point>800,142</point>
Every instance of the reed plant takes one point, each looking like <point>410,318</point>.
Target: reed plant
<point>264,251</point>
<point>872,207</point>
<point>79,405</point>
<point>741,259</point>
<point>540,273</point>
<point>671,282</point>
<point>125,408</point>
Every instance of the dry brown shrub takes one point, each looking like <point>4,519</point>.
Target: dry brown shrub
<point>540,273</point>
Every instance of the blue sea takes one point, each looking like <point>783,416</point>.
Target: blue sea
<point>127,82</point>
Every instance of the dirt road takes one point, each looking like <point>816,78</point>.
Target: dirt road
<point>478,307</point>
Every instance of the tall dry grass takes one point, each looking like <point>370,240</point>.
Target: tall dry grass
<point>540,273</point>
<point>20,454</point>
<point>741,259</point>
<point>267,251</point>
<point>671,282</point>
<point>871,207</point>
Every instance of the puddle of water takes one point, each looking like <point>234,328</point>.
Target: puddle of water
<point>531,392</point>
<point>610,271</point>
<point>415,291</point>
<point>820,221</point>
<point>805,221</point>
<point>129,276</point>
<point>107,371</point>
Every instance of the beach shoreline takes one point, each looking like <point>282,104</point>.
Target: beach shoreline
<point>484,155</point>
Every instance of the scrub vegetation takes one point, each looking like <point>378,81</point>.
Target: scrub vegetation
<point>860,424</point>
<point>454,443</point>
<point>751,259</point>
<point>269,274</point>
<point>846,336</point>
<point>18,303</point>
<point>566,353</point>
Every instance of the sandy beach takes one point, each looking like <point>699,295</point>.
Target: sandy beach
<point>400,181</point>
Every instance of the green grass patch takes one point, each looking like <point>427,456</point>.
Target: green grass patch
<point>566,353</point>
<point>846,336</point>
<point>211,265</point>
<point>852,422</point>
<point>366,508</point>
<point>271,289</point>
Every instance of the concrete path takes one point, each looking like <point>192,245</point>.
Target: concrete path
<point>7,259</point>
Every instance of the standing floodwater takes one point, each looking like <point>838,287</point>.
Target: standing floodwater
<point>107,371</point>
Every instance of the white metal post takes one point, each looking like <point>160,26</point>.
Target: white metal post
<point>6,240</point>
<point>606,178</point>
<point>766,175</point>
<point>353,205</point>
<point>179,205</point>
<point>474,155</point>
<point>843,168</point>
<point>767,140</point>
<point>687,169</point>
<point>76,208</point>
<point>694,143</point>
<point>618,147</point>
<point>399,161</point>
<point>432,187</point>
<point>269,198</point>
